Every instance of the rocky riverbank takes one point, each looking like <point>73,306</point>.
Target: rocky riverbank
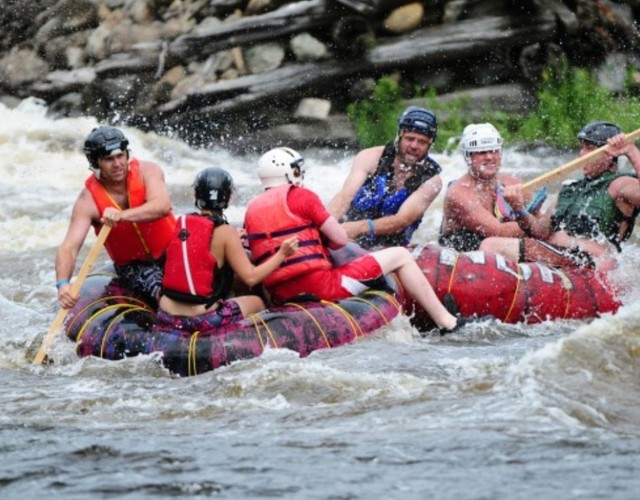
<point>249,73</point>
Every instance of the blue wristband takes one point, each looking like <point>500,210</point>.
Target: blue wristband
<point>520,213</point>
<point>62,283</point>
<point>372,229</point>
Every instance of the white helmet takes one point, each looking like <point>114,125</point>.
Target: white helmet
<point>281,166</point>
<point>479,137</point>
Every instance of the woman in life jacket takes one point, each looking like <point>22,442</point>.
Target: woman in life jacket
<point>201,258</point>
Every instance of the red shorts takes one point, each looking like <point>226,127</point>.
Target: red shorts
<point>338,283</point>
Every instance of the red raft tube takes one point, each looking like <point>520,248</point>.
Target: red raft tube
<point>484,284</point>
<point>108,322</point>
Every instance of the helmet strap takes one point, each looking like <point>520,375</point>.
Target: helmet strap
<point>95,170</point>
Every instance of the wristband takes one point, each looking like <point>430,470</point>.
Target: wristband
<point>62,283</point>
<point>372,229</point>
<point>520,213</point>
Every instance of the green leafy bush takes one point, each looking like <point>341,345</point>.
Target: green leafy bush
<point>568,99</point>
<point>375,120</point>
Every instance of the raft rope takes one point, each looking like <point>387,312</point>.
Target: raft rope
<point>355,327</point>
<point>255,317</point>
<point>112,323</point>
<point>515,295</point>
<point>192,367</point>
<point>133,300</point>
<point>387,296</point>
<point>99,312</point>
<point>453,272</point>
<point>315,321</point>
<point>568,286</point>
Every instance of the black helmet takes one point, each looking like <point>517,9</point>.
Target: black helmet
<point>598,132</point>
<point>212,188</point>
<point>421,120</point>
<point>103,141</point>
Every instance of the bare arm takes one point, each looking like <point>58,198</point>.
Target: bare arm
<point>157,204</point>
<point>84,211</point>
<point>237,258</point>
<point>410,211</point>
<point>535,226</point>
<point>364,164</point>
<point>463,209</point>
<point>334,232</point>
<point>625,190</point>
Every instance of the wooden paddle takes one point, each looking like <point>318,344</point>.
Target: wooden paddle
<point>75,288</point>
<point>573,165</point>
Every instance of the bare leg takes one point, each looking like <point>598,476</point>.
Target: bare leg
<point>249,304</point>
<point>509,248</point>
<point>399,259</point>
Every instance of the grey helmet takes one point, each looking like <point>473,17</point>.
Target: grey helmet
<point>597,133</point>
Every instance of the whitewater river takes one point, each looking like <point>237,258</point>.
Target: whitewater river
<point>503,411</point>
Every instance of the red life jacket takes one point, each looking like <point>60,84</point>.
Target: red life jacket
<point>189,268</point>
<point>132,241</point>
<point>269,222</point>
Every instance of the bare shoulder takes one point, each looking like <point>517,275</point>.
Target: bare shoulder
<point>86,206</point>
<point>150,167</point>
<point>508,180</point>
<point>368,158</point>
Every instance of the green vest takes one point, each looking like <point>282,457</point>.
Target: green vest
<point>585,208</point>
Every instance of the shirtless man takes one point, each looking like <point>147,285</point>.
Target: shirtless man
<point>592,215</point>
<point>469,211</point>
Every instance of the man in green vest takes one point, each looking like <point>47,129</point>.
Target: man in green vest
<point>592,215</point>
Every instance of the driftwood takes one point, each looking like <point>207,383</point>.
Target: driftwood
<point>180,76</point>
<point>433,47</point>
<point>292,18</point>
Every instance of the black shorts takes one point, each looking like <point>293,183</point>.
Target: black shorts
<point>142,278</point>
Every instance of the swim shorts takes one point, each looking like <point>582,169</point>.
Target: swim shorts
<point>227,312</point>
<point>142,278</point>
<point>337,283</point>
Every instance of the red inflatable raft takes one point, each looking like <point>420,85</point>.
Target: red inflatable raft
<point>110,323</point>
<point>485,284</point>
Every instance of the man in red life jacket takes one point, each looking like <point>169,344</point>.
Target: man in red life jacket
<point>201,258</point>
<point>286,208</point>
<point>130,196</point>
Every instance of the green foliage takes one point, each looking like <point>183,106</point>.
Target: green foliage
<point>375,120</point>
<point>568,99</point>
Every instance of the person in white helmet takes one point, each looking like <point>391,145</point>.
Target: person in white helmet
<point>201,259</point>
<point>286,208</point>
<point>592,216</point>
<point>472,204</point>
<point>390,187</point>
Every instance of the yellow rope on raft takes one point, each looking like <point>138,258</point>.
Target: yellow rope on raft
<point>568,286</point>
<point>355,327</point>
<point>515,294</point>
<point>266,327</point>
<point>192,367</point>
<point>113,321</point>
<point>453,273</point>
<point>101,299</point>
<point>98,313</point>
<point>387,296</point>
<point>376,308</point>
<point>324,336</point>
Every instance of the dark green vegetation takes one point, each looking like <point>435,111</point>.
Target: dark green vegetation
<point>568,98</point>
